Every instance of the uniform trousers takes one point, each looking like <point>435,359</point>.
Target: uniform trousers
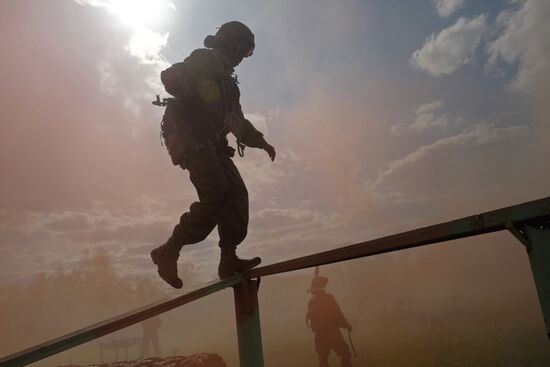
<point>223,200</point>
<point>331,339</point>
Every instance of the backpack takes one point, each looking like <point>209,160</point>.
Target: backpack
<point>171,130</point>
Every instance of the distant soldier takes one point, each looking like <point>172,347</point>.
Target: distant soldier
<point>195,128</point>
<point>150,329</point>
<point>325,318</point>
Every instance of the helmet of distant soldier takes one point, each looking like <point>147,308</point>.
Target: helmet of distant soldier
<point>318,284</point>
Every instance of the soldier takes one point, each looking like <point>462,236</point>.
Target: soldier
<point>195,127</point>
<point>325,318</point>
<point>150,328</point>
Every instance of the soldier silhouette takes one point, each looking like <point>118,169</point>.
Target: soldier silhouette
<point>150,329</point>
<point>325,318</point>
<point>206,108</point>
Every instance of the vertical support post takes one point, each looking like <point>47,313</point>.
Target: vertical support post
<point>539,256</point>
<point>249,333</point>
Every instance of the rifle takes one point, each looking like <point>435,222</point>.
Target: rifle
<point>163,103</point>
<point>352,346</point>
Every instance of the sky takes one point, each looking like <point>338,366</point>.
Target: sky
<point>386,116</point>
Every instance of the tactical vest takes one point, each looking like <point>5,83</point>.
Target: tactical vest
<point>193,122</point>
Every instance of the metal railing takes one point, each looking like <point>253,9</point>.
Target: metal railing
<point>529,222</point>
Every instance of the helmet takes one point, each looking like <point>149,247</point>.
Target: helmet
<point>232,35</point>
<point>318,284</point>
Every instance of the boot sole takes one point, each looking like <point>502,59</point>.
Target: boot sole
<point>255,262</point>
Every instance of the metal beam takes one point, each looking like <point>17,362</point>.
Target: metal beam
<point>95,331</point>
<point>492,221</point>
<point>249,333</point>
<point>539,257</point>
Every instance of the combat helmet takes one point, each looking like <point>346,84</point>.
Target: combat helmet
<point>232,35</point>
<point>318,283</point>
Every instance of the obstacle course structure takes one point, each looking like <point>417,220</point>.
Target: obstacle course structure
<point>529,222</point>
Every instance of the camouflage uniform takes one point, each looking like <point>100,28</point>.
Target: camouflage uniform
<point>195,127</point>
<point>206,92</point>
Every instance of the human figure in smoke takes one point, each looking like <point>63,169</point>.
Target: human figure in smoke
<point>325,318</point>
<point>150,329</point>
<point>195,128</point>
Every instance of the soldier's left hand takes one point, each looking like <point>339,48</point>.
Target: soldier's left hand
<point>270,151</point>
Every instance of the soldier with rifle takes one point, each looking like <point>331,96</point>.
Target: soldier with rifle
<point>195,125</point>
<point>325,318</point>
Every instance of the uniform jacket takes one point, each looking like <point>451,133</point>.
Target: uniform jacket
<point>206,107</point>
<point>325,314</point>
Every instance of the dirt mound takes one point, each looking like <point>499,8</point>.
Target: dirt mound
<point>194,360</point>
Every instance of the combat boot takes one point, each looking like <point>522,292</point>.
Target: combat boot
<point>230,264</point>
<point>166,259</point>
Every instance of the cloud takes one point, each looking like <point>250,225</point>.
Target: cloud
<point>258,120</point>
<point>427,116</point>
<point>447,51</point>
<point>524,39</point>
<point>257,169</point>
<point>274,232</point>
<point>146,45</point>
<point>447,7</point>
<point>143,42</point>
<point>69,222</point>
<point>17,264</point>
<point>477,135</point>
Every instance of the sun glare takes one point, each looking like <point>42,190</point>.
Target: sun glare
<point>138,13</point>
<point>143,17</point>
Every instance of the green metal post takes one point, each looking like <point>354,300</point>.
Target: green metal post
<point>538,250</point>
<point>249,333</point>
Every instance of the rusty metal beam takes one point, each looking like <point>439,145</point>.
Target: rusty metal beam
<point>496,220</point>
<point>109,326</point>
